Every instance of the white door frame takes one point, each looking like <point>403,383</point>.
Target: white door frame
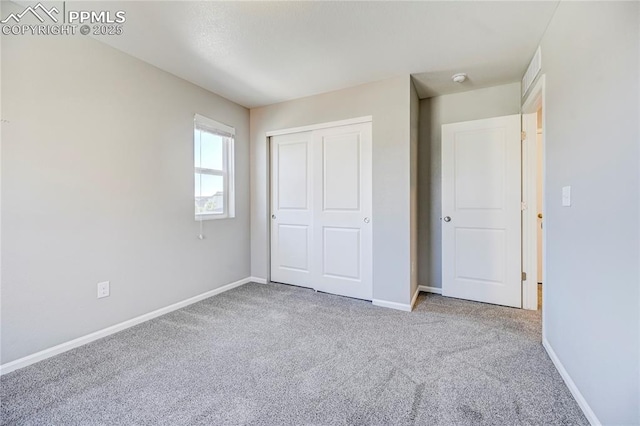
<point>268,135</point>
<point>534,100</point>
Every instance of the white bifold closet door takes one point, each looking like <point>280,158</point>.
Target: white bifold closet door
<point>321,224</point>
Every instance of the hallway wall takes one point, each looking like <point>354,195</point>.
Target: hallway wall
<point>592,288</point>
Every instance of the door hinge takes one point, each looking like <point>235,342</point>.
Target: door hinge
<point>523,135</point>
<point>523,205</point>
<point>524,276</point>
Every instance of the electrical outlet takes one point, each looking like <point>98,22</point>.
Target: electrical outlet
<point>103,289</point>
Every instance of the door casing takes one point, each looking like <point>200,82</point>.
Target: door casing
<point>530,106</point>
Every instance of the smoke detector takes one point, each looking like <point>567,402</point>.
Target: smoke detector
<point>459,78</point>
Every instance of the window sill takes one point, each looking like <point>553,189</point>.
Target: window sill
<point>202,217</point>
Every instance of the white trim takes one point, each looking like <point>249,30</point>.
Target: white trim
<point>211,216</point>
<point>534,68</point>
<point>414,298</point>
<point>426,288</point>
<point>358,120</point>
<point>64,347</point>
<point>393,305</point>
<point>214,125</point>
<point>534,100</point>
<point>530,212</point>
<point>257,280</point>
<point>582,403</point>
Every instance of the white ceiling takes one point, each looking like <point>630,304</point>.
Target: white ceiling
<point>259,53</point>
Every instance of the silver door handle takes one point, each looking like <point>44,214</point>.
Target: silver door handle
<point>447,219</point>
<point>273,216</point>
<point>367,220</point>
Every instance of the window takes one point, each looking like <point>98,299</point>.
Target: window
<point>213,169</point>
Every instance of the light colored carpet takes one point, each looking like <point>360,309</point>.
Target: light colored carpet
<point>275,354</point>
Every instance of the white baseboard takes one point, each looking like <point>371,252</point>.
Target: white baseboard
<point>426,288</point>
<point>257,280</point>
<point>398,306</point>
<point>582,403</point>
<point>393,305</point>
<point>63,347</point>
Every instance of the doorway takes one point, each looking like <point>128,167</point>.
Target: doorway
<point>539,203</point>
<point>533,189</point>
<point>321,205</point>
<point>531,251</point>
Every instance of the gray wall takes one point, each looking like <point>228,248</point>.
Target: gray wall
<point>590,56</point>
<point>434,112</point>
<point>388,102</point>
<point>414,128</point>
<point>97,184</point>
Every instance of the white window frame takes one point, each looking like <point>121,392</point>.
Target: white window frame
<point>203,123</point>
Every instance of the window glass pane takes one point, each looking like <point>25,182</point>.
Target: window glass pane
<point>209,194</point>
<point>210,151</point>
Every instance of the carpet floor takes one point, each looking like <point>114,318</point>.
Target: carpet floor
<point>275,354</point>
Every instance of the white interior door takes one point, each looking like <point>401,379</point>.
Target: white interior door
<point>292,209</point>
<point>321,203</point>
<point>342,210</point>
<point>481,196</point>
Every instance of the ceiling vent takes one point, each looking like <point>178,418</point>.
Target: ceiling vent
<point>532,72</point>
